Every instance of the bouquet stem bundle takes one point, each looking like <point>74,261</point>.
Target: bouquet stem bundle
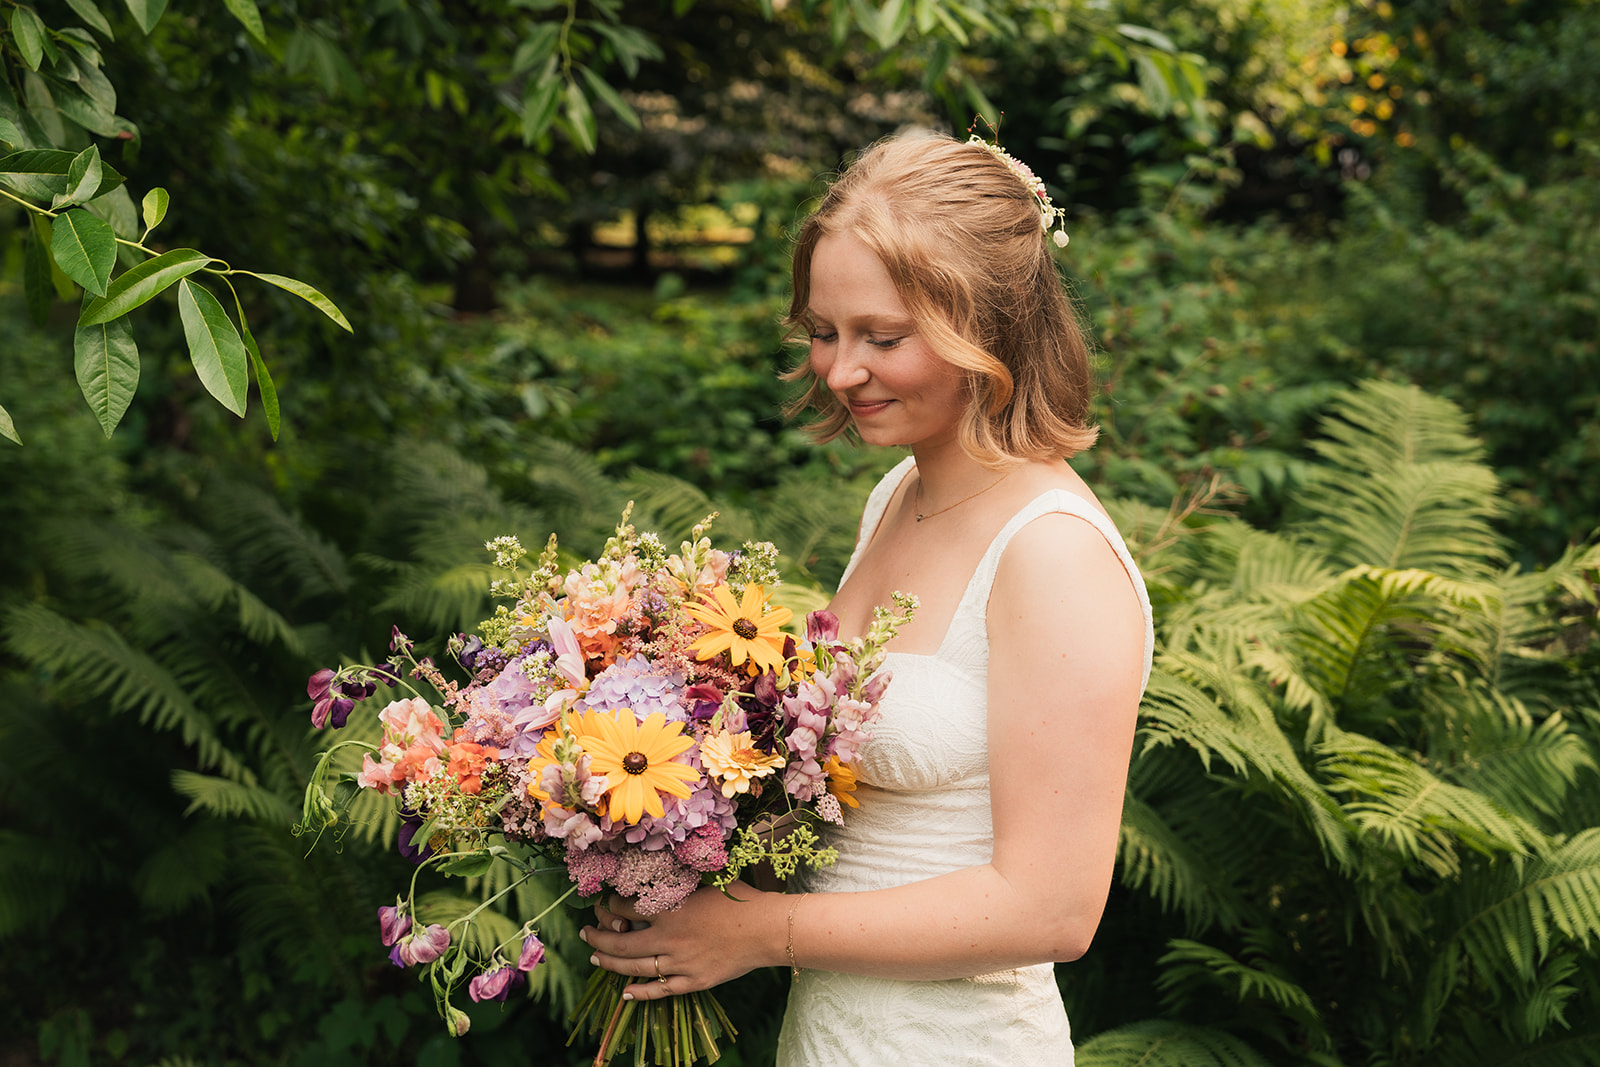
<point>676,1032</point>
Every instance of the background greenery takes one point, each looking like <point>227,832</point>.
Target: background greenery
<point>1338,261</point>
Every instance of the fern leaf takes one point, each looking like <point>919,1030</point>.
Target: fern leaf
<point>1188,962</point>
<point>225,798</point>
<point>93,660</point>
<point>1414,814</point>
<point>1160,1043</point>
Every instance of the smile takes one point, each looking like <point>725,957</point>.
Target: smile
<point>863,408</point>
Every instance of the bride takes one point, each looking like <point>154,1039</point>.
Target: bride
<point>991,793</point>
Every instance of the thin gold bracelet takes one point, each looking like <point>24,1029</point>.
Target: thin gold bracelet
<point>794,968</point>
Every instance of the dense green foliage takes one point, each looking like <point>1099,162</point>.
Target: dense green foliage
<point>1360,822</point>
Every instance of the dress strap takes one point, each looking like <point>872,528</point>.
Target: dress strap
<point>1058,501</point>
<point>877,504</point>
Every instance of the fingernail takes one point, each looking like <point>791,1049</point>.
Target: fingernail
<point>584,933</point>
<point>627,996</point>
<point>619,926</point>
<point>594,961</point>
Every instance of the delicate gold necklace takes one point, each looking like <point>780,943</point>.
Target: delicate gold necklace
<point>921,515</point>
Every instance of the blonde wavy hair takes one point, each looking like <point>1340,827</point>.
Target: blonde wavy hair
<point>960,237</point>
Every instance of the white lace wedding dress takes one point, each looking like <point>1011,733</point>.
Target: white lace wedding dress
<point>925,811</point>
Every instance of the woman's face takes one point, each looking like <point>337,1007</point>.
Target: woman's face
<point>865,346</point>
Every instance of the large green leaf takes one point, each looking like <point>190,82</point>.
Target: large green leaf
<point>36,276</point>
<point>39,173</point>
<point>42,173</point>
<point>306,293</point>
<point>613,99</point>
<point>580,119</point>
<point>107,364</point>
<point>215,347</point>
<point>9,132</point>
<point>147,12</point>
<point>539,106</point>
<point>269,391</point>
<point>154,208</point>
<point>33,40</point>
<point>8,429</point>
<point>141,284</point>
<point>92,17</point>
<point>249,16</point>
<point>84,178</point>
<point>85,249</point>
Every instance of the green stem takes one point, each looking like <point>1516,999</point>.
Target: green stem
<point>28,204</point>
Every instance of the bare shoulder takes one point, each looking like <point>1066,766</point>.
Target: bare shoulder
<point>1062,587</point>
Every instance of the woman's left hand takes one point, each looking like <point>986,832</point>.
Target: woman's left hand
<point>707,940</point>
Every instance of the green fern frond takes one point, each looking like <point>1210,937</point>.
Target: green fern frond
<point>1386,425</point>
<point>1161,1043</point>
<point>93,660</point>
<point>1188,963</point>
<point>1486,741</point>
<point>1170,866</point>
<point>226,798</point>
<point>271,543</point>
<point>1413,814</point>
<point>1508,921</point>
<point>671,507</point>
<point>1176,712</point>
<point>184,869</point>
<point>215,589</point>
<point>489,930</point>
<point>1404,485</point>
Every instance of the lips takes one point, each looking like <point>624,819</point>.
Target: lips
<point>864,408</point>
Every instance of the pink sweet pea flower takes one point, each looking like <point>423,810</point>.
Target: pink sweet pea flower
<point>532,953</point>
<point>393,922</point>
<point>423,947</point>
<point>492,985</point>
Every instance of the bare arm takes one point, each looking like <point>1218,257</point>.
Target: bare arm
<point>1066,640</point>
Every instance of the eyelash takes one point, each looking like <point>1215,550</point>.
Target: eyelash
<point>828,338</point>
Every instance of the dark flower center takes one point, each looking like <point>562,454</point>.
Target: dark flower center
<point>745,629</point>
<point>635,763</point>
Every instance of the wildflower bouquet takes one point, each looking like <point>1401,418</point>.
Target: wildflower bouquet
<point>640,721</point>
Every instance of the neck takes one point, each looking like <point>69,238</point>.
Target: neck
<point>948,474</point>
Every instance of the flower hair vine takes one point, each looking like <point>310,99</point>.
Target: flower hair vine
<point>1051,218</point>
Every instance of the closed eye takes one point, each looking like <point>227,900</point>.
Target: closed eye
<point>887,342</point>
<point>825,338</point>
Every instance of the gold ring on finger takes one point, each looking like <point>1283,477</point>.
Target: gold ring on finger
<point>659,977</point>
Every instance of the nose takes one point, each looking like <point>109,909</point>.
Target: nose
<point>846,366</point>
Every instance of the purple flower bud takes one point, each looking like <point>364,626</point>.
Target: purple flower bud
<point>393,922</point>
<point>822,627</point>
<point>872,692</point>
<point>468,654</point>
<point>399,642</point>
<point>532,953</point>
<point>387,673</point>
<point>492,985</point>
<point>319,713</point>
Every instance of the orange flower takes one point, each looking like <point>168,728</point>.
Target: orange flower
<point>467,762</point>
<point>744,630</point>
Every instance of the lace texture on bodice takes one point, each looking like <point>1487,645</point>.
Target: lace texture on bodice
<point>924,795</point>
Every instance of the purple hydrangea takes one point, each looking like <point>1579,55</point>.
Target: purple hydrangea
<point>634,682</point>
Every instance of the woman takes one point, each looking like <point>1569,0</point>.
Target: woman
<point>992,791</point>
